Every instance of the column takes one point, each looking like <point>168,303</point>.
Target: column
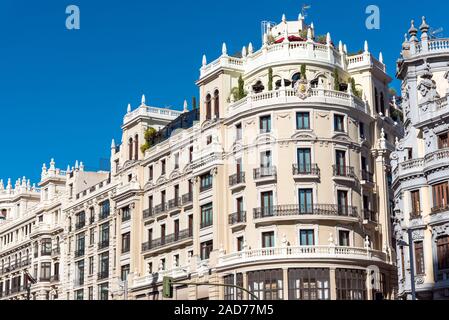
<point>332,284</point>
<point>285,283</point>
<point>245,285</point>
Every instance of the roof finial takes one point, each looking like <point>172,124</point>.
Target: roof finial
<point>424,26</point>
<point>186,107</point>
<point>413,32</point>
<point>204,60</point>
<point>76,165</point>
<point>2,187</point>
<point>244,51</point>
<point>328,39</point>
<point>113,144</point>
<point>381,57</point>
<point>224,49</point>
<point>300,17</point>
<point>250,48</point>
<point>309,34</point>
<point>340,46</point>
<point>128,109</point>
<point>143,100</point>
<point>283,18</point>
<point>366,48</point>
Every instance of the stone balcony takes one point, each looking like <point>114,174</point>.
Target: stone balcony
<point>432,161</point>
<point>432,110</point>
<point>305,253</point>
<point>284,96</point>
<point>291,52</point>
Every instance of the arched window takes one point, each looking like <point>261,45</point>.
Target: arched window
<point>382,103</point>
<point>208,106</point>
<point>376,100</point>
<point>296,77</point>
<point>258,87</point>
<point>217,104</point>
<point>136,147</point>
<point>130,148</point>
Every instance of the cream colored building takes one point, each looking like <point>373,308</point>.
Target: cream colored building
<point>280,188</point>
<point>420,166</point>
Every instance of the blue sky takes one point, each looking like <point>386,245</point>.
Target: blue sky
<point>63,93</point>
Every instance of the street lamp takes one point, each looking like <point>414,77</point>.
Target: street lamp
<point>412,263</point>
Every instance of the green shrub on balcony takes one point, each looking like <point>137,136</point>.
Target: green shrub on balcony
<point>150,133</point>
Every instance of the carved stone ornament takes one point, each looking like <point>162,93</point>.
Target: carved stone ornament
<point>427,87</point>
<point>303,89</point>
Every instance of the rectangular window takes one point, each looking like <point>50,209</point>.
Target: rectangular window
<point>79,273</point>
<point>240,243</point>
<point>266,284</point>
<point>350,284</point>
<point>343,238</point>
<point>205,182</point>
<point>232,293</point>
<point>238,131</point>
<point>362,130</point>
<point>103,262</point>
<point>266,159</point>
<point>302,121</point>
<point>104,209</point>
<point>126,242</point>
<point>305,201</point>
<point>339,121</point>
<point>342,199</point>
<point>91,266</point>
<point>307,237</point>
<point>45,271</point>
<point>150,172</point>
<point>440,197</point>
<point>206,249</point>
<point>309,284</point>
<point>126,214</point>
<point>265,124</point>
<point>91,293</point>
<point>206,215</point>
<point>416,204</point>
<point>419,257</point>
<point>190,154</point>
<point>268,239</point>
<point>443,142</point>
<point>79,294</point>
<point>103,291</point>
<point>163,167</point>
<point>104,235</point>
<point>91,236</point>
<point>176,161</point>
<point>443,253</point>
<point>304,158</point>
<point>266,199</point>
<point>124,272</point>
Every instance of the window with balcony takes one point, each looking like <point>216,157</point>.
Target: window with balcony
<point>266,159</point>
<point>343,238</point>
<point>80,241</point>
<point>350,284</point>
<point>126,242</point>
<point>240,243</point>
<point>238,132</point>
<point>266,284</point>
<point>302,120</point>
<point>416,204</point>
<point>80,220</point>
<point>443,141</point>
<point>440,197</point>
<point>91,266</point>
<point>343,203</point>
<point>103,266</point>
<point>340,169</point>
<point>265,124</point>
<point>309,284</point>
<point>419,257</point>
<point>268,239</point>
<point>126,214</point>
<point>206,215</point>
<point>206,249</point>
<point>443,253</point>
<point>205,182</point>
<point>339,123</point>
<point>104,236</point>
<point>104,209</point>
<point>305,197</point>
<point>267,205</point>
<point>304,158</point>
<point>307,237</point>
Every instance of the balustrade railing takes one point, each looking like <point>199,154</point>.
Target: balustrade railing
<point>312,209</point>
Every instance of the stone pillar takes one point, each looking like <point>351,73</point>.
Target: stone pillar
<point>245,295</point>
<point>285,283</point>
<point>332,284</point>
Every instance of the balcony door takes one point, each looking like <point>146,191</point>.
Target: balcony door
<point>239,209</point>
<point>305,201</point>
<point>176,227</point>
<point>340,159</point>
<point>304,160</point>
<point>443,141</point>
<point>267,203</point>
<point>342,200</point>
<point>440,196</point>
<point>265,159</point>
<point>163,231</point>
<point>238,168</point>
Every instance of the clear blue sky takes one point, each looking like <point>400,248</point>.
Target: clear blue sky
<point>63,93</point>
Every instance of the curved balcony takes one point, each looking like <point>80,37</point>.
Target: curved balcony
<point>344,172</point>
<point>265,174</point>
<point>167,241</point>
<point>306,171</point>
<point>305,253</point>
<point>430,162</point>
<point>237,181</point>
<point>310,212</point>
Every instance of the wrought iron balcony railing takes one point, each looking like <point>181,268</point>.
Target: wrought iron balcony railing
<point>236,179</point>
<point>187,198</point>
<point>237,217</point>
<point>343,171</point>
<point>167,240</point>
<point>306,170</point>
<point>265,172</point>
